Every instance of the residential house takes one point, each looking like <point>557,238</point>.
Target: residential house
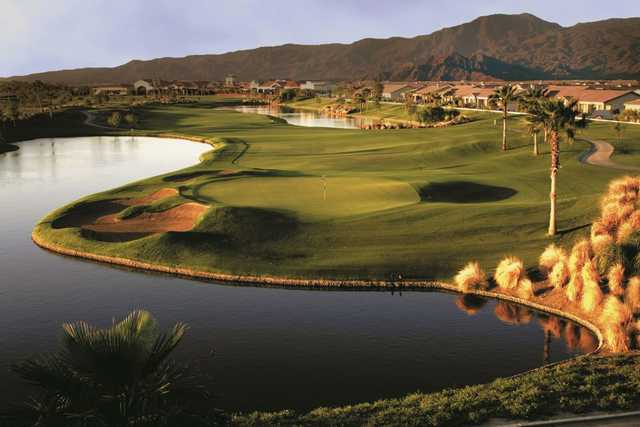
<point>230,80</point>
<point>633,105</point>
<point>395,91</point>
<point>271,87</point>
<point>319,87</point>
<point>473,96</point>
<point>110,90</point>
<point>426,93</point>
<point>607,100</point>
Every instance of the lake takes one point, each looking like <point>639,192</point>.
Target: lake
<point>264,348</point>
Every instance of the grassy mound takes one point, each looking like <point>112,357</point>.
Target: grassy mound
<point>338,203</point>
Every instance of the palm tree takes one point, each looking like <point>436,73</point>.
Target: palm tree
<point>555,117</point>
<point>118,376</point>
<point>501,98</point>
<point>530,101</point>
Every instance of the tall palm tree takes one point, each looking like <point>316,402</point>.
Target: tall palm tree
<point>556,116</point>
<point>121,375</point>
<point>529,101</point>
<point>501,98</point>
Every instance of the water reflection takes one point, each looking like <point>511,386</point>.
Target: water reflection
<point>307,118</point>
<point>576,339</point>
<point>340,347</point>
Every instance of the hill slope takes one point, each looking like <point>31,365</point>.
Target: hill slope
<point>508,47</point>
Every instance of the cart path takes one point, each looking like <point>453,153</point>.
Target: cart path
<point>600,155</point>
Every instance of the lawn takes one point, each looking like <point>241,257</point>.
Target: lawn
<point>333,203</point>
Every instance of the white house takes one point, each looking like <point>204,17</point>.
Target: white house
<point>604,100</point>
<point>144,87</point>
<point>320,87</point>
<point>395,91</point>
<point>110,90</point>
<point>633,105</point>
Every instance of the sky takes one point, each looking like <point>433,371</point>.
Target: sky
<point>44,35</point>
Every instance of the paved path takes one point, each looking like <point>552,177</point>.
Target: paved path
<point>600,155</point>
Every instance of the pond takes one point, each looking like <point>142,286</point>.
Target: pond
<point>264,348</point>
<point>306,118</point>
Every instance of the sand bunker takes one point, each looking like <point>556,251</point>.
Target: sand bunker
<point>179,218</point>
<point>154,197</point>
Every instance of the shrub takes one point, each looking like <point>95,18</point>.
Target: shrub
<point>580,253</point>
<point>509,272</point>
<point>559,275</point>
<point>632,295</point>
<point>616,317</point>
<point>471,277</point>
<point>616,279</point>
<point>525,289</point>
<point>431,114</point>
<point>605,252</point>
<point>551,256</point>
<point>591,292</point>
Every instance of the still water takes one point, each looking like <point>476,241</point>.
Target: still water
<point>307,118</point>
<point>264,348</point>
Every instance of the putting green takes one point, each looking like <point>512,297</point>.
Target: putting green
<point>421,202</point>
<point>312,198</point>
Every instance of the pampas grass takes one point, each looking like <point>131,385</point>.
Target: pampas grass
<point>471,277</point>
<point>574,288</point>
<point>580,253</point>
<point>616,317</point>
<point>551,256</point>
<point>625,231</point>
<point>616,279</point>
<point>559,275</point>
<point>632,295</point>
<point>509,272</point>
<point>525,289</point>
<point>591,292</point>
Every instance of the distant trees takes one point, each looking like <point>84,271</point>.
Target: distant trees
<point>376,93</point>
<point>118,376</point>
<point>501,98</point>
<point>530,101</point>
<point>436,114</point>
<point>620,128</point>
<point>131,120</point>
<point>556,117</point>
<point>409,105</point>
<point>287,95</point>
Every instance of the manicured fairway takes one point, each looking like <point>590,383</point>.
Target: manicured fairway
<point>332,203</point>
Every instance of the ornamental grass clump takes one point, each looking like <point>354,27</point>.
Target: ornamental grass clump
<point>605,252</point>
<point>509,272</point>
<point>632,295</point>
<point>559,275</point>
<point>615,277</point>
<point>525,289</point>
<point>550,257</point>
<point>580,254</point>
<point>471,277</point>
<point>616,318</point>
<point>591,293</point>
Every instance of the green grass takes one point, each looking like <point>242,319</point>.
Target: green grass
<point>583,385</point>
<point>397,201</point>
<point>627,150</point>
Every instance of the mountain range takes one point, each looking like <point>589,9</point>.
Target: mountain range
<point>495,47</point>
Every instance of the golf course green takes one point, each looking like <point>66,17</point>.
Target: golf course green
<point>287,201</point>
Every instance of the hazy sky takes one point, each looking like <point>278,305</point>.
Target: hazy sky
<point>42,35</point>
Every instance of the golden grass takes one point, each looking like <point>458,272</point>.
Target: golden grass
<point>574,288</point>
<point>616,317</point>
<point>601,243</point>
<point>559,275</point>
<point>632,295</point>
<point>551,256</point>
<point>471,277</point>
<point>580,254</point>
<point>509,272</point>
<point>591,293</point>
<point>525,289</point>
<point>625,231</point>
<point>615,278</point>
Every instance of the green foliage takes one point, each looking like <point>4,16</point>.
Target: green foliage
<point>581,385</point>
<point>117,376</point>
<point>431,114</point>
<point>287,95</point>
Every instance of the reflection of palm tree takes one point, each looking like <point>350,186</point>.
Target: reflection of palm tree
<point>119,376</point>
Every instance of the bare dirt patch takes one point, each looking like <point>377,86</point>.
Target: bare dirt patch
<point>179,218</point>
